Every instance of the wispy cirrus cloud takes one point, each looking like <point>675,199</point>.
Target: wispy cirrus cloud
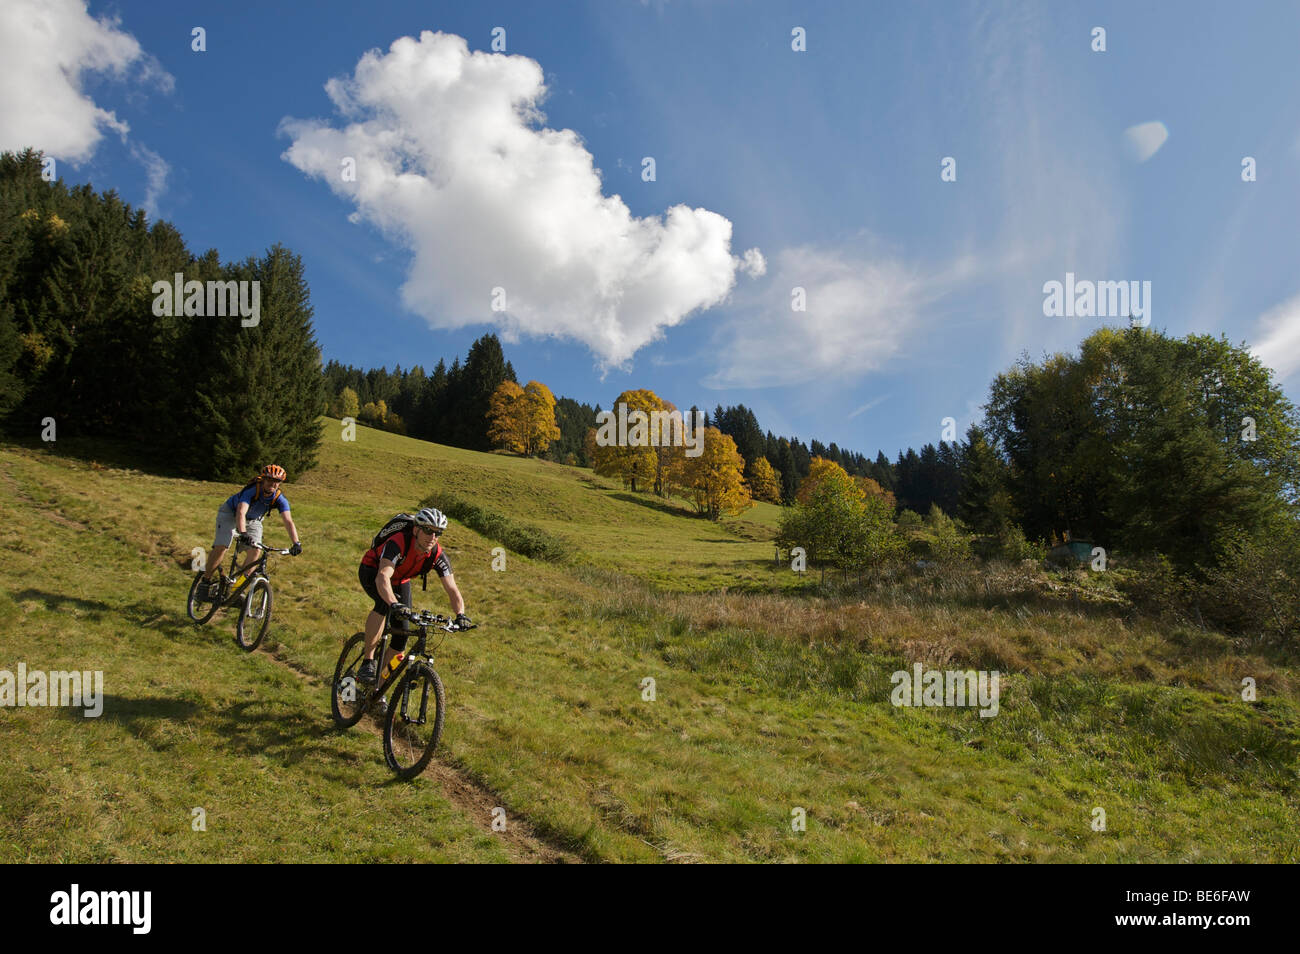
<point>874,402</point>
<point>858,308</point>
<point>156,170</point>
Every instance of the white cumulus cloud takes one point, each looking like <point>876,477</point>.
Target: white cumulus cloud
<point>752,263</point>
<point>453,160</point>
<point>1278,338</point>
<point>45,47</point>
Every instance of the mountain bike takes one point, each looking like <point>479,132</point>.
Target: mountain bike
<point>413,721</point>
<point>253,596</point>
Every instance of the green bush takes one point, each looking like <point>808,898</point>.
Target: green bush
<point>1156,586</point>
<point>1013,545</point>
<point>1255,589</point>
<point>947,544</point>
<point>522,538</point>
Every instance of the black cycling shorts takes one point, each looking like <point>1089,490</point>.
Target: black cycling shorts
<point>367,575</point>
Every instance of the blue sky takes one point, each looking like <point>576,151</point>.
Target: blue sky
<point>826,161</point>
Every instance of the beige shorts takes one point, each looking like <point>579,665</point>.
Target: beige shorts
<point>226,530</point>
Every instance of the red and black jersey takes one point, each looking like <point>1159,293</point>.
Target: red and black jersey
<point>410,560</point>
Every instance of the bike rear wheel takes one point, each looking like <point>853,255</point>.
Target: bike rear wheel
<point>198,610</point>
<point>254,615</point>
<point>348,696</point>
<point>414,722</point>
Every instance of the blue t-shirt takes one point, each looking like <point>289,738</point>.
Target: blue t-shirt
<point>258,504</point>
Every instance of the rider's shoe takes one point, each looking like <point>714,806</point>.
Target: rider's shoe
<point>368,672</point>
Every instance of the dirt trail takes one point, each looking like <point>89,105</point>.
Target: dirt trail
<point>43,511</point>
<point>470,796</point>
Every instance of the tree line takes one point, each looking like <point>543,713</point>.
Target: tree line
<point>89,346</point>
<point>450,405</point>
<point>1138,441</point>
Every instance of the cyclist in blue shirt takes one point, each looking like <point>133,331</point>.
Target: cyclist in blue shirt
<point>241,517</point>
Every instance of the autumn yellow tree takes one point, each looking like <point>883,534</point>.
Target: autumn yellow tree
<point>631,456</point>
<point>764,484</point>
<point>522,420</point>
<point>872,488</point>
<point>375,413</point>
<point>539,415</point>
<point>822,469</point>
<point>508,418</point>
<point>713,480</point>
<point>348,404</point>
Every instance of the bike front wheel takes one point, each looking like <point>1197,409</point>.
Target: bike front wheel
<point>199,610</point>
<point>348,695</point>
<point>254,615</point>
<point>414,722</point>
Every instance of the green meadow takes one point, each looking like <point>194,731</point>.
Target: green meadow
<point>770,702</point>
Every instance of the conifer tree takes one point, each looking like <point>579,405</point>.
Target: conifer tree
<point>485,369</point>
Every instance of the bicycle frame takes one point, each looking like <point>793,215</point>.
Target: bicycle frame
<point>256,569</point>
<point>419,650</point>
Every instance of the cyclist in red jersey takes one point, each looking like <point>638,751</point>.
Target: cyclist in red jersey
<point>386,572</point>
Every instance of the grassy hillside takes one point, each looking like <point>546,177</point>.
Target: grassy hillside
<point>768,697</point>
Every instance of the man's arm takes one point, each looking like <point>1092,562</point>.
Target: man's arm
<point>384,581</point>
<point>241,512</point>
<point>453,593</point>
<point>290,526</point>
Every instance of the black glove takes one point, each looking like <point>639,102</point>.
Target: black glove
<point>295,549</point>
<point>246,539</point>
<point>462,621</point>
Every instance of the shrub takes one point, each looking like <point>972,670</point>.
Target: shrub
<point>522,538</point>
<point>1013,545</point>
<point>1255,589</point>
<point>948,544</point>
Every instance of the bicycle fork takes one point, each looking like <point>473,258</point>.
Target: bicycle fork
<point>405,704</point>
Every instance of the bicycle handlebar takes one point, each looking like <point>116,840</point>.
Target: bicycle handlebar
<point>424,618</point>
<point>260,546</point>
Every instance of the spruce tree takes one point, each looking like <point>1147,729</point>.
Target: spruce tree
<point>984,502</point>
<point>485,369</point>
<point>11,389</point>
<point>789,470</point>
<point>263,391</point>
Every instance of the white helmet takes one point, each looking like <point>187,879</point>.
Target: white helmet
<point>432,519</point>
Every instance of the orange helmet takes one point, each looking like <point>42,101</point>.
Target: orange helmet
<point>273,471</point>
